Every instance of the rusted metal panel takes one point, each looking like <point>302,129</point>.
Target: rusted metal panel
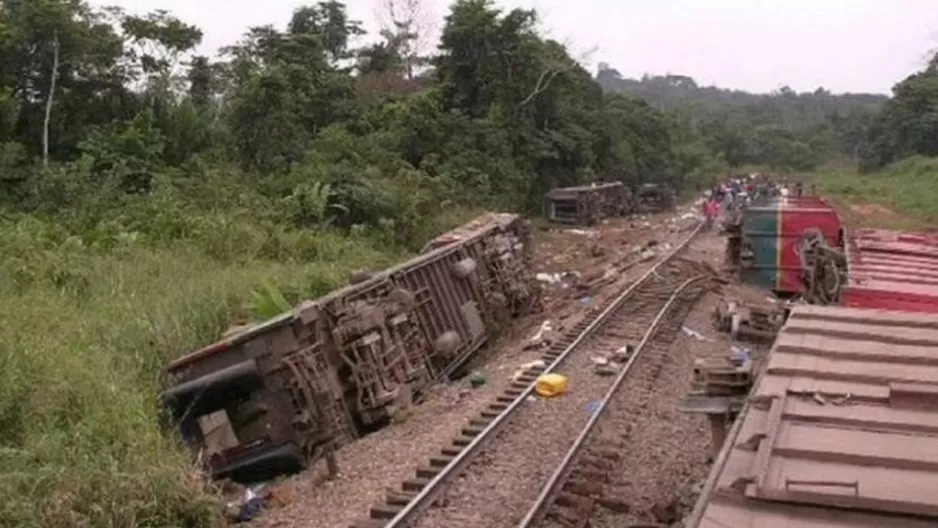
<point>475,227</point>
<point>289,389</point>
<point>891,269</point>
<point>840,430</point>
<point>588,204</point>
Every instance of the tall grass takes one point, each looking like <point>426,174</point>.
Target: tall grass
<point>88,323</point>
<point>909,188</point>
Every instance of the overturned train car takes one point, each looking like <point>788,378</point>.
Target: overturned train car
<point>654,198</point>
<point>283,393</point>
<point>588,204</point>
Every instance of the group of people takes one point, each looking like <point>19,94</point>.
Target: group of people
<point>725,196</point>
<point>735,193</point>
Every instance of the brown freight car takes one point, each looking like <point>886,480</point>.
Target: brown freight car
<point>588,204</point>
<point>277,396</point>
<point>840,430</point>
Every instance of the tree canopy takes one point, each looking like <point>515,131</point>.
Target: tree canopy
<point>908,124</point>
<point>784,130</point>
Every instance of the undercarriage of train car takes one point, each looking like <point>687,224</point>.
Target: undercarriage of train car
<point>287,392</point>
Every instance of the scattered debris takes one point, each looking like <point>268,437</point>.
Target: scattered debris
<point>593,407</point>
<point>477,379</point>
<point>748,322</point>
<point>549,278</point>
<point>610,364</point>
<point>695,334</point>
<point>248,506</point>
<point>607,369</point>
<point>623,354</point>
<point>539,338</point>
<point>528,366</point>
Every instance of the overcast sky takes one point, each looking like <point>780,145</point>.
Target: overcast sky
<point>756,45</point>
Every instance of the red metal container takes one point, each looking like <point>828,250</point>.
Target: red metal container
<point>772,234</point>
<point>891,270</point>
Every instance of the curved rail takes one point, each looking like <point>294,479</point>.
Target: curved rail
<point>556,479</point>
<point>430,492</point>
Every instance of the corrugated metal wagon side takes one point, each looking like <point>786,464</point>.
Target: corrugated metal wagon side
<point>841,429</point>
<point>891,269</point>
<point>281,393</point>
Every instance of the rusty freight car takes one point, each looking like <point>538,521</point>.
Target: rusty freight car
<point>279,395</point>
<point>840,430</point>
<point>891,270</point>
<point>588,204</point>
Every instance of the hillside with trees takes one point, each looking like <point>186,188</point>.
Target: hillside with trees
<point>784,130</point>
<point>900,166</point>
<point>150,198</point>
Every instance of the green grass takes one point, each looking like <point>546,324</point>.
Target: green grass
<point>87,326</point>
<point>908,188</point>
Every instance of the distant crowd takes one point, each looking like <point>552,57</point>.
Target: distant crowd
<point>737,193</point>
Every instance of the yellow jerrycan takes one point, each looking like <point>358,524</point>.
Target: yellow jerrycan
<point>550,385</point>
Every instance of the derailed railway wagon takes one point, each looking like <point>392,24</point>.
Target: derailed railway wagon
<point>778,239</point>
<point>283,393</point>
<point>838,432</point>
<point>588,204</point>
<point>654,198</point>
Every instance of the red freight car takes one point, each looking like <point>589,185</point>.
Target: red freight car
<point>284,392</point>
<point>840,431</point>
<point>891,270</point>
<point>773,232</point>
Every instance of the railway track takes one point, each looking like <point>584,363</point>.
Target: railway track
<point>597,477</point>
<point>492,473</point>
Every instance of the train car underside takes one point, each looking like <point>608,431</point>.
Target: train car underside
<point>280,394</point>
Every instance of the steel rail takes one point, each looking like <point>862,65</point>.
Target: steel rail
<point>557,478</point>
<point>429,493</point>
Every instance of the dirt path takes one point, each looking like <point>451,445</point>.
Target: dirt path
<point>597,263</point>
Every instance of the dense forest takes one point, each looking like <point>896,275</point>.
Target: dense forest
<point>150,197</point>
<point>784,130</point>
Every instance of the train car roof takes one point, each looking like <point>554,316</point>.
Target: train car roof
<point>841,429</point>
<point>581,188</point>
<point>884,266</point>
<point>805,203</point>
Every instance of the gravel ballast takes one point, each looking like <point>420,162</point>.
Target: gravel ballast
<point>499,487</point>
